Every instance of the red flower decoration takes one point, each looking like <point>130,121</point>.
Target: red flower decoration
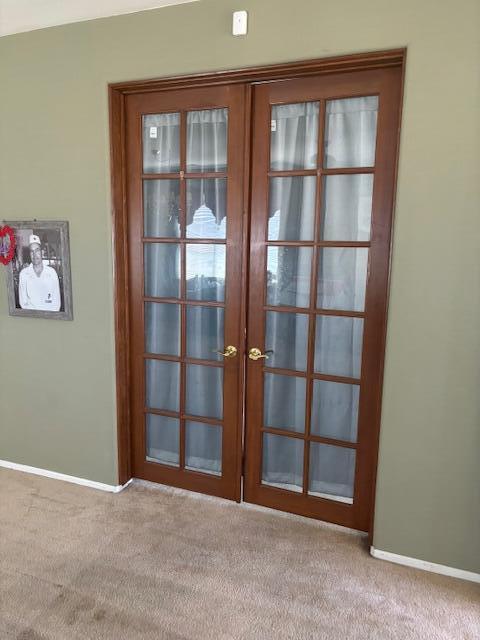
<point>7,244</point>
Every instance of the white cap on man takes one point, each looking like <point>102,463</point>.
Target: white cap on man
<point>33,239</point>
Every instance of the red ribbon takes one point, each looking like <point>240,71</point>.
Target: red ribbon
<point>6,256</point>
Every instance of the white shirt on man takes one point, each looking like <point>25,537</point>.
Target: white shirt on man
<point>41,292</point>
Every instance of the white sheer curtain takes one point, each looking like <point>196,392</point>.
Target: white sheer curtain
<point>207,140</point>
<point>350,137</point>
<point>294,136</point>
<point>351,132</point>
<point>346,215</point>
<point>205,279</point>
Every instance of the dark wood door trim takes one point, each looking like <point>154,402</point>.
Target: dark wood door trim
<point>269,73</point>
<point>118,93</point>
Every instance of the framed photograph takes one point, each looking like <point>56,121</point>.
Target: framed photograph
<point>38,277</point>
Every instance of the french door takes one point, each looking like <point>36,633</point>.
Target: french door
<point>259,221</point>
<point>185,202</point>
<point>322,185</point>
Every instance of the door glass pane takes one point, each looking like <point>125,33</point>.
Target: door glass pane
<point>351,132</point>
<point>205,332</point>
<point>294,136</point>
<point>204,392</point>
<point>207,140</point>
<point>338,345</point>
<point>284,402</point>
<point>206,272</point>
<point>291,208</point>
<point>161,143</point>
<point>288,276</point>
<point>161,200</point>
<point>342,278</point>
<point>207,208</point>
<point>335,410</point>
<point>162,328</point>
<point>282,462</point>
<point>347,207</point>
<point>163,439</point>
<point>162,385</point>
<point>162,270</point>
<point>286,334</point>
<point>332,472</point>
<point>203,447</point>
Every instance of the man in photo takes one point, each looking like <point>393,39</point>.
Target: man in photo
<point>38,287</point>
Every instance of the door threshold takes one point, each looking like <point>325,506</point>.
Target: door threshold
<point>175,491</point>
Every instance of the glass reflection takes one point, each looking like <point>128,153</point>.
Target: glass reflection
<point>205,265</point>
<point>161,200</point>
<point>291,208</point>
<point>161,143</point>
<point>288,276</point>
<point>207,208</point>
<point>294,136</point>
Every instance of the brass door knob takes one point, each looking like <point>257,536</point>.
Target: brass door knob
<point>230,352</point>
<point>256,354</point>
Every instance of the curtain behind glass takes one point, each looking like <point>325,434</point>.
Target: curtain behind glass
<point>294,136</point>
<point>350,141</point>
<point>207,140</point>
<point>161,143</point>
<point>350,132</point>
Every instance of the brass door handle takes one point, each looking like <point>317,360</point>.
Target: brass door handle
<point>230,352</point>
<point>256,354</point>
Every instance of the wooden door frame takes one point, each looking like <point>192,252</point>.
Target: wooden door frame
<point>117,96</point>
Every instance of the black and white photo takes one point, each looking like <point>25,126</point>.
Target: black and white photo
<point>38,277</point>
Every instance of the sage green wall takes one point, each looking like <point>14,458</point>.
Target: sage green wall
<point>57,394</point>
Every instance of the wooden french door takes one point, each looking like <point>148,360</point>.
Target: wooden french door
<point>322,190</point>
<point>185,189</point>
<point>257,324</point>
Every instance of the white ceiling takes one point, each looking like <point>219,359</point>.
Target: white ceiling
<point>27,15</point>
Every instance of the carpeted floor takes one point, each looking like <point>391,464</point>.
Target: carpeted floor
<point>153,563</point>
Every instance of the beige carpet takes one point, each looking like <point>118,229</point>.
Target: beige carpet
<point>150,563</point>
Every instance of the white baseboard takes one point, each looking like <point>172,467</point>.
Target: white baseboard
<point>62,476</point>
<point>425,566</point>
